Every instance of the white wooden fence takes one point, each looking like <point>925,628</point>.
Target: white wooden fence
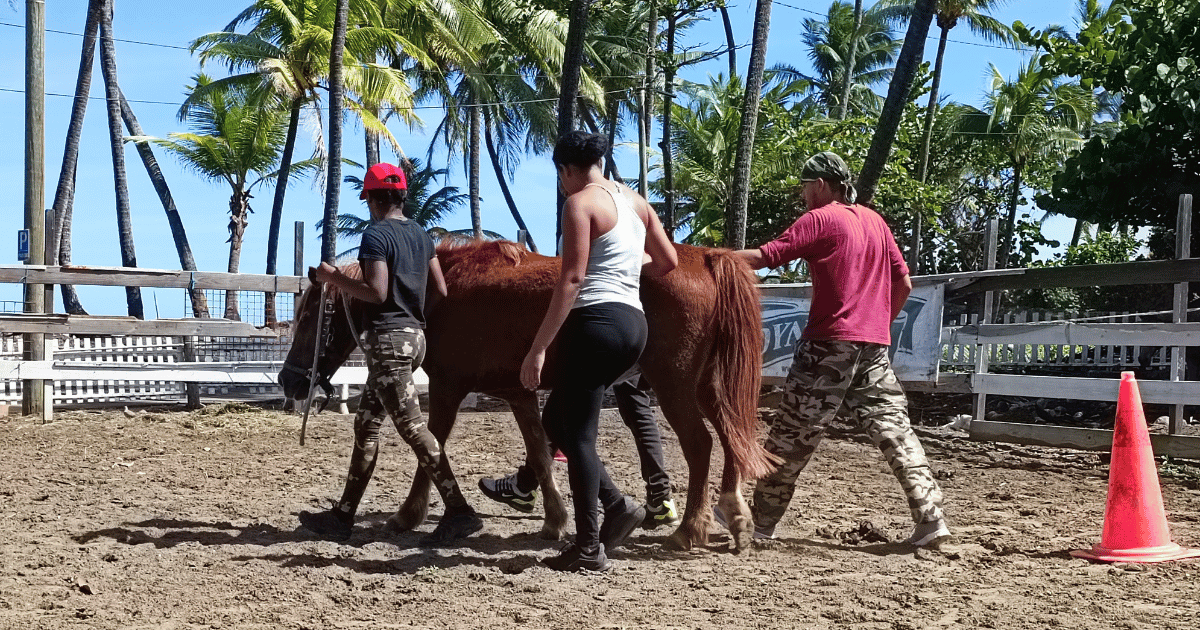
<point>254,354</point>
<point>959,357</point>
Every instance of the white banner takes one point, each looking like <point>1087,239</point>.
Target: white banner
<point>916,333</point>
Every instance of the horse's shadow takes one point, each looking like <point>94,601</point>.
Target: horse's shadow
<point>176,532</point>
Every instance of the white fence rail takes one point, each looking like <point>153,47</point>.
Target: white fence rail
<point>959,353</point>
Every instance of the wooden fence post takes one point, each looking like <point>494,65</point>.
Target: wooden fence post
<point>192,389</point>
<point>981,356</point>
<point>1183,249</point>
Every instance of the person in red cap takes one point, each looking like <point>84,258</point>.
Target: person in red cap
<point>398,262</point>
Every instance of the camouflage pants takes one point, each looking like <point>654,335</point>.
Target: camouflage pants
<point>392,355</point>
<point>829,376</point>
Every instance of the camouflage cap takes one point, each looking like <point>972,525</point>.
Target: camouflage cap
<point>829,166</point>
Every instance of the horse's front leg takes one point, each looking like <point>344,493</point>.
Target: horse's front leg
<point>443,411</point>
<point>524,405</point>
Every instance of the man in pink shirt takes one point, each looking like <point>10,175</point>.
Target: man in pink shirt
<point>860,283</point>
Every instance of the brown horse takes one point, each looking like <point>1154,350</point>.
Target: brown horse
<point>703,359</point>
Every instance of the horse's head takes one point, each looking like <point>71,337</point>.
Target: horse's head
<point>331,351</point>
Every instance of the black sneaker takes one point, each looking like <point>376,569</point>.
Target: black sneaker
<point>332,524</point>
<point>572,558</point>
<point>660,512</point>
<point>453,527</point>
<point>506,490</point>
<point>617,526</point>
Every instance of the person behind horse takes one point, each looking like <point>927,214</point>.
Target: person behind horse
<point>632,394</point>
<point>596,316</point>
<point>398,264</point>
<point>860,283</point>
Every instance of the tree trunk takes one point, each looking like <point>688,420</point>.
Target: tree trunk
<point>668,163</point>
<point>1010,222</point>
<point>893,107</point>
<point>503,181</point>
<point>611,161</point>
<point>931,110</point>
<point>333,183</point>
<point>735,217</point>
<point>843,107</point>
<point>64,196</point>
<point>646,112</point>
<point>473,167</point>
<point>239,209</point>
<point>178,233</point>
<point>281,182</point>
<point>370,137</point>
<point>108,67</point>
<point>1077,233</point>
<point>914,254</point>
<point>729,41</point>
<point>571,71</point>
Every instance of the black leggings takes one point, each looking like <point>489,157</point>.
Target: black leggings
<point>596,345</point>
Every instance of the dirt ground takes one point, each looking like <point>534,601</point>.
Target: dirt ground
<point>173,520</point>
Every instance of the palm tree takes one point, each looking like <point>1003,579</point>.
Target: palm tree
<point>64,195</point>
<point>974,13</point>
<point>336,93</point>
<point>851,59</point>
<point>897,97</point>
<point>705,140</point>
<point>186,261</point>
<point>234,139</point>
<point>735,237</point>
<point>829,43</point>
<point>1033,115</point>
<point>502,93</point>
<point>285,55</point>
<point>108,67</point>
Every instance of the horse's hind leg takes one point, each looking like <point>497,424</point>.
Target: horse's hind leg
<point>731,502</point>
<point>443,411</point>
<point>524,405</point>
<point>695,441</point>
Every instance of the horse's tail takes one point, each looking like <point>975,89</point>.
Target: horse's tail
<point>736,362</point>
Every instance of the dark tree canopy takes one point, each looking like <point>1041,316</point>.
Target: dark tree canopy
<point>1145,52</point>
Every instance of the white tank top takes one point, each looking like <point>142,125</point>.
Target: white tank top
<point>614,269</point>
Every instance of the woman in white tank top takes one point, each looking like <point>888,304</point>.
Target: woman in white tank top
<point>596,316</point>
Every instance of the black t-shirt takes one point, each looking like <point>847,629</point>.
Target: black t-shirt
<point>407,249</point>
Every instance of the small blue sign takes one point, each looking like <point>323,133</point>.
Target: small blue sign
<point>23,246</point>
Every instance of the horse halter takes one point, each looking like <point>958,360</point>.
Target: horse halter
<point>312,375</point>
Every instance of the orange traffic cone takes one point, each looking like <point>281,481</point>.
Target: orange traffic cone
<point>1135,523</point>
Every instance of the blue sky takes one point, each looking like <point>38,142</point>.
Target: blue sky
<point>153,78</point>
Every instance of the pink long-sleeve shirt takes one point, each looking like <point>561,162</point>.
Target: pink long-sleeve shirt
<point>854,261</point>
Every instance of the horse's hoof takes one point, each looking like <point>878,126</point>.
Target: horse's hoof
<point>683,541</point>
<point>551,533</point>
<point>741,529</point>
<point>402,522</point>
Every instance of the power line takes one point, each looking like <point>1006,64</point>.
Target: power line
<point>174,47</point>
<point>115,39</point>
<point>393,108</point>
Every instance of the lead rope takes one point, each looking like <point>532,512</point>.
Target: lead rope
<point>317,348</point>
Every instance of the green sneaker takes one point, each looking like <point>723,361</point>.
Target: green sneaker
<point>506,490</point>
<point>660,513</point>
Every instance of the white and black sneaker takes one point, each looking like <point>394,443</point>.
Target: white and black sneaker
<point>507,490</point>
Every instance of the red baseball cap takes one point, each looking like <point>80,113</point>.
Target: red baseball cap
<point>377,175</point>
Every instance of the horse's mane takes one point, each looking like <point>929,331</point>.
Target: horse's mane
<point>455,250</point>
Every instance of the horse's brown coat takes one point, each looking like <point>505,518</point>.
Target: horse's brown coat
<point>703,358</point>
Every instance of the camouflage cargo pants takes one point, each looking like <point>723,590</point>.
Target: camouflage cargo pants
<point>828,376</point>
<point>392,355</point>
